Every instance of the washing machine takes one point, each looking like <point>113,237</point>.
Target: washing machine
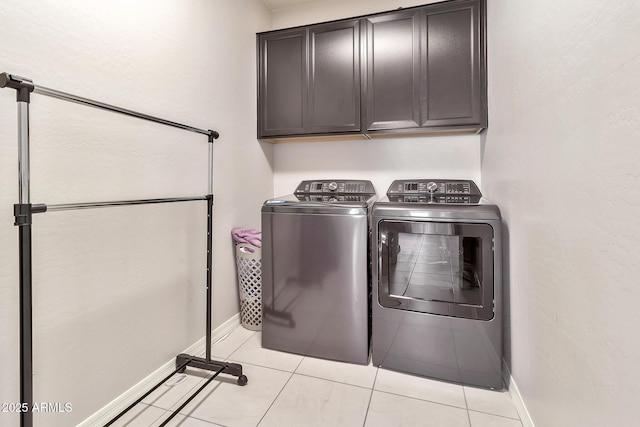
<point>315,270</point>
<point>437,282</point>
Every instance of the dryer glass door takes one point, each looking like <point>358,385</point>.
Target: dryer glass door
<point>436,267</point>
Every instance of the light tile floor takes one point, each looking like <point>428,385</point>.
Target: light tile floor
<point>290,390</point>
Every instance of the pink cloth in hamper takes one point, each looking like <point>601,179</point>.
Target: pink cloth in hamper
<point>247,235</point>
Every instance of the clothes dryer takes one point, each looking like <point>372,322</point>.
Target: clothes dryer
<point>437,282</point>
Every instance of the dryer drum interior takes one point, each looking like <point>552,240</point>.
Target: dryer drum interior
<point>435,267</point>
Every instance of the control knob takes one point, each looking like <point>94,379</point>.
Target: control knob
<point>432,187</point>
<point>333,186</point>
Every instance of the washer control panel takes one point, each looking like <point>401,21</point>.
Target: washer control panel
<point>335,198</point>
<point>434,191</point>
<point>335,187</point>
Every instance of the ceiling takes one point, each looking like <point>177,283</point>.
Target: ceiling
<point>279,4</point>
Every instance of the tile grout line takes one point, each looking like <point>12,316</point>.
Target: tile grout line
<point>298,365</point>
<point>203,420</point>
<point>281,390</point>
<point>366,414</point>
<point>424,400</point>
<point>163,416</point>
<point>274,400</point>
<point>466,403</point>
<point>337,382</point>
<point>495,415</point>
<point>128,422</point>
<point>227,336</point>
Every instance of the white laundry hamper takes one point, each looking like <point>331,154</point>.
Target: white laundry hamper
<point>249,264</point>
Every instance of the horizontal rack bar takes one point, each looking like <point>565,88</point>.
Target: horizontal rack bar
<point>101,105</point>
<point>141,398</point>
<point>193,395</point>
<point>92,205</point>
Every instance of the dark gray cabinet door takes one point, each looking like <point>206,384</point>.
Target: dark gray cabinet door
<point>334,77</point>
<point>283,71</point>
<point>453,64</point>
<point>393,71</point>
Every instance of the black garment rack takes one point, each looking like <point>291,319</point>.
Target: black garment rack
<point>23,211</point>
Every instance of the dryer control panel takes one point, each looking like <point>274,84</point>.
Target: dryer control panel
<point>434,191</point>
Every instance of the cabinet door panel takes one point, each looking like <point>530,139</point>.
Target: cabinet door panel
<point>283,86</point>
<point>451,60</point>
<point>334,81</point>
<point>393,72</point>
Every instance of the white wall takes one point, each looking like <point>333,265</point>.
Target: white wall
<point>379,160</point>
<point>120,291</point>
<point>561,158</point>
<point>329,10</point>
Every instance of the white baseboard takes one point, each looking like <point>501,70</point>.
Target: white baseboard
<point>121,402</point>
<point>517,399</point>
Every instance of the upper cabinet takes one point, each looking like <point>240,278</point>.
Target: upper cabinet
<point>309,80</point>
<point>282,83</point>
<point>334,77</point>
<point>453,60</point>
<point>414,70</point>
<point>393,94</point>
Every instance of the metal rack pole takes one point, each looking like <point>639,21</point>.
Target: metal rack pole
<point>206,363</point>
<point>22,212</point>
<point>23,209</point>
<point>21,83</point>
<point>209,253</point>
<point>103,106</point>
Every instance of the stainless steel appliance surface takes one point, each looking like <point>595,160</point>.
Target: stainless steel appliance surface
<point>437,282</point>
<point>315,270</point>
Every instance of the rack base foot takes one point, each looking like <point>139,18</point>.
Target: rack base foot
<point>233,369</point>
